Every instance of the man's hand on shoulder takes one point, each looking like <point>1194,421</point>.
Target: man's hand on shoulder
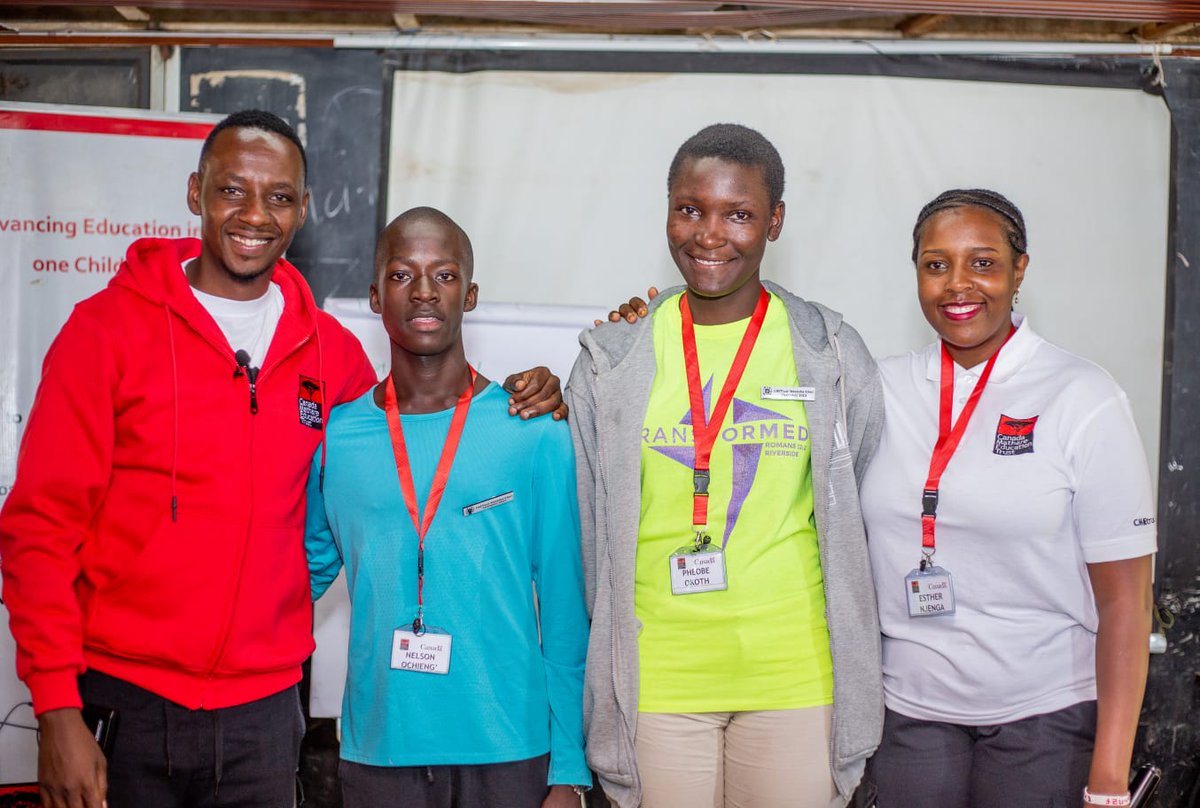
<point>561,797</point>
<point>632,311</point>
<point>72,772</point>
<point>535,392</point>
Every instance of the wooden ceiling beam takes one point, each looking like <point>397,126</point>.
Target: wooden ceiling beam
<point>921,24</point>
<point>181,40</point>
<point>406,22</point>
<point>1152,31</point>
<point>132,13</point>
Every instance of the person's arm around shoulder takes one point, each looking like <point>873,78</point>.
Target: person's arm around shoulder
<point>63,472</point>
<point>534,393</point>
<point>864,398</point>
<point>558,578</point>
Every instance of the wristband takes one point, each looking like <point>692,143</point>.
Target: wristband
<point>1106,799</point>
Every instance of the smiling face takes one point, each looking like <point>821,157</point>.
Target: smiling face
<point>966,277</point>
<point>249,193</point>
<point>719,221</point>
<point>423,285</point>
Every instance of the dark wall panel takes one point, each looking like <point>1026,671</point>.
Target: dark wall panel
<point>1171,717</point>
<point>335,100</point>
<point>99,78</point>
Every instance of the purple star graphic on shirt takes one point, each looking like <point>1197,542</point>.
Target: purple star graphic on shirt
<point>745,455</point>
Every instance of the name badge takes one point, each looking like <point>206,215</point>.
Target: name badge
<point>930,593</point>
<point>789,393</point>
<point>692,572</point>
<point>490,502</point>
<point>421,653</point>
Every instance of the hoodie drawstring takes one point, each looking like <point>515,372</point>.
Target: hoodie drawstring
<point>837,351</point>
<point>218,744</point>
<point>324,409</point>
<point>175,419</point>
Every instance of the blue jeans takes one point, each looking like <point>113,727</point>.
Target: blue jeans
<point>167,756</point>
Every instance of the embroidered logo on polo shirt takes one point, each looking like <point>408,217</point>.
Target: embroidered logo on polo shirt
<point>1014,436</point>
<point>309,402</point>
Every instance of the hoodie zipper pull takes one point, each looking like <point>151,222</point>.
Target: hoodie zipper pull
<point>243,366</point>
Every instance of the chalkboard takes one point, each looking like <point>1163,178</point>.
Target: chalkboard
<point>335,100</point>
<point>99,78</point>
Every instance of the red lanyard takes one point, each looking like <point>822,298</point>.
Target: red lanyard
<point>704,430</point>
<point>440,476</point>
<point>949,437</point>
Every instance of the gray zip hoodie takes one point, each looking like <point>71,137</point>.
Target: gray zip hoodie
<point>608,392</point>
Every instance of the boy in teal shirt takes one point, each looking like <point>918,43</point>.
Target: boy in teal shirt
<point>447,515</point>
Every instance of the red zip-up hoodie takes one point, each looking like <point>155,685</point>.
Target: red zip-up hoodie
<point>155,528</point>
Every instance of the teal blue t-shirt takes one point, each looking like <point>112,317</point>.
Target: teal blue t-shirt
<point>507,697</point>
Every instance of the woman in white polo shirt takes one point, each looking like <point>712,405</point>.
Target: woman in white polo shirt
<point>1011,527</point>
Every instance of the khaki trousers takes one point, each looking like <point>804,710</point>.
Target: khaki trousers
<point>766,759</point>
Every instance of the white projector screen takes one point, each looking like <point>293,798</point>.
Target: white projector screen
<point>560,178</point>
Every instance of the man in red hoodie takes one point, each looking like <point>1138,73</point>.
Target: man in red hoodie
<point>152,543</point>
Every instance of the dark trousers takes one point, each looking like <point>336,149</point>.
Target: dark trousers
<point>520,784</point>
<point>168,756</point>
<point>1038,762</point>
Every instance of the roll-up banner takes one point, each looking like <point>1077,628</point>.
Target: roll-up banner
<point>77,186</point>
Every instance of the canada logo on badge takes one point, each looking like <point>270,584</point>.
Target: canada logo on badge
<point>1014,436</point>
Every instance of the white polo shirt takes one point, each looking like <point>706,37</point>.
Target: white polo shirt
<point>1050,476</point>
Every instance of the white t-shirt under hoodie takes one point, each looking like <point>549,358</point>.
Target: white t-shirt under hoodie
<point>249,325</point>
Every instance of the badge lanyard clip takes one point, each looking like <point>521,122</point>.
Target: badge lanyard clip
<point>700,480</point>
<point>418,624</point>
<point>706,429</point>
<point>929,502</point>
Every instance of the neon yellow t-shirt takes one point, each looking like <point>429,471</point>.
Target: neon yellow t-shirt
<point>762,643</point>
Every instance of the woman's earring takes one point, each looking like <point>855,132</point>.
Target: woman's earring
<point>1016,296</point>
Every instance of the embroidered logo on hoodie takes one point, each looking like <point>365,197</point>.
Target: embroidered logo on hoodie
<point>309,401</point>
